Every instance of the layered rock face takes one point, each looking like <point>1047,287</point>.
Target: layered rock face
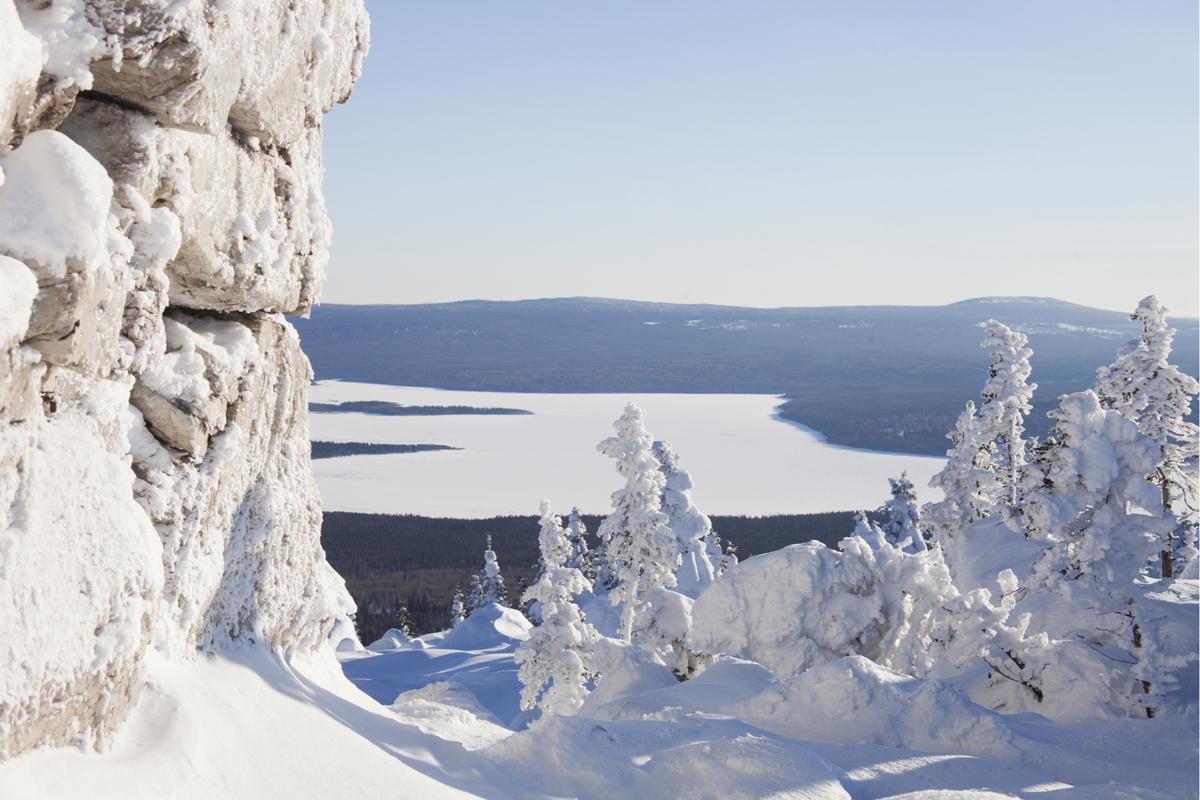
<point>160,210</point>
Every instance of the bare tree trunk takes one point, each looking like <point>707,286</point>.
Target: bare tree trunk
<point>1168,555</point>
<point>1137,643</point>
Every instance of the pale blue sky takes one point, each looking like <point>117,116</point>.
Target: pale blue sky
<point>769,153</point>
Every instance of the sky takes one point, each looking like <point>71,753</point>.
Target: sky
<point>770,153</point>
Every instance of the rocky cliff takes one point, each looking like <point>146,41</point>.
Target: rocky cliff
<point>160,211</point>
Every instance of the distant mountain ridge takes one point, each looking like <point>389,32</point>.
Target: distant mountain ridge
<point>880,377</point>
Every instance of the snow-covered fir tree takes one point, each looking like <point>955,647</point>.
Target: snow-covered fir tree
<point>555,663</point>
<point>691,527</point>
<point>581,555</point>
<point>474,596</point>
<point>967,481</point>
<point>715,551</point>
<point>867,530</point>
<point>528,609</point>
<point>901,517</point>
<point>555,548</point>
<point>639,547</point>
<point>554,542</point>
<point>1087,495</point>
<point>404,621</point>
<point>1142,385</point>
<point>729,558</point>
<point>458,607</point>
<point>1006,402</point>
<point>487,586</point>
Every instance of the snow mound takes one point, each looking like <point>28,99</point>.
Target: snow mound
<point>343,637</point>
<point>450,711</point>
<point>490,626</point>
<point>580,757</point>
<point>392,639</point>
<point>855,700</point>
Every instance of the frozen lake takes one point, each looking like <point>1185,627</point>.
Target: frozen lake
<point>743,459</point>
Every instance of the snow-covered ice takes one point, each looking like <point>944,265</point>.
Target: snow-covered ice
<point>743,457</point>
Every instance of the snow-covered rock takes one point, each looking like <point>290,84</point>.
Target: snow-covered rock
<point>254,230</point>
<point>19,368</point>
<point>268,69</point>
<point>56,217</point>
<point>155,484</point>
<point>80,572</point>
<point>241,525</point>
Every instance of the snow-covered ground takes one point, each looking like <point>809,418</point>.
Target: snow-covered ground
<point>743,457</point>
<point>248,725</point>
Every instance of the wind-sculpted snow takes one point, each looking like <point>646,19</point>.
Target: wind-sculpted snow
<point>155,480</point>
<point>580,757</point>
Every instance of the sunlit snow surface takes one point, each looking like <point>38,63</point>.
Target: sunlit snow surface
<point>743,457</point>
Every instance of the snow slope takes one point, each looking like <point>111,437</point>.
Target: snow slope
<point>744,459</point>
<point>247,724</point>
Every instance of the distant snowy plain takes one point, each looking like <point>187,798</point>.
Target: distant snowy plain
<point>743,457</point>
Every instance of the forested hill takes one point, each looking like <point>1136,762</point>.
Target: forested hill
<point>881,377</point>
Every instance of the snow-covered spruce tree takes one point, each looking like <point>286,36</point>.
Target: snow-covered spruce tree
<point>967,481</point>
<point>901,518</point>
<point>691,527</point>
<point>530,610</point>
<point>715,552</point>
<point>639,547</point>
<point>458,607</point>
<point>1006,397</point>
<point>487,586</point>
<point>474,596</point>
<point>867,530</point>
<point>404,622</point>
<point>1142,385</point>
<point>554,549</point>
<point>729,558</point>
<point>1087,495</point>
<point>581,555</point>
<point>555,663</point>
